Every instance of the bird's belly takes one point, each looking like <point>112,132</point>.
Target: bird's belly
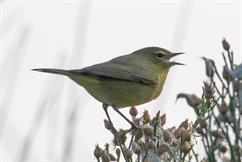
<point>126,93</point>
<point>116,92</point>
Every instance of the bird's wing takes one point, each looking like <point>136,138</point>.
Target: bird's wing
<point>120,71</point>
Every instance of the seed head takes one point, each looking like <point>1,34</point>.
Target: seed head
<point>122,135</point>
<point>192,99</point>
<point>227,74</point>
<point>177,132</point>
<point>98,152</point>
<point>156,119</point>
<point>133,111</point>
<point>203,123</point>
<point>167,136</point>
<point>163,119</point>
<point>105,157</point>
<point>226,45</point>
<point>186,147</point>
<point>161,149</point>
<point>146,117</point>
<point>223,108</point>
<point>127,152</point>
<point>184,124</point>
<point>138,134</point>
<point>171,130</point>
<point>108,125</point>
<point>218,134</point>
<point>112,157</point>
<point>186,134</point>
<point>149,145</point>
<point>200,131</point>
<point>222,148</point>
<point>148,130</point>
<point>209,67</point>
<point>208,91</point>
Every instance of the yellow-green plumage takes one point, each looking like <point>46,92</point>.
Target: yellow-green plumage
<point>119,92</point>
<point>124,81</point>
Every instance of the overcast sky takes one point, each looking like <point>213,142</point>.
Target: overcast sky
<point>47,110</point>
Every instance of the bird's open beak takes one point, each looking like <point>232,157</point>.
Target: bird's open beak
<point>173,55</point>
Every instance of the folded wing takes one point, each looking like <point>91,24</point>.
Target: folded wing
<point>121,71</point>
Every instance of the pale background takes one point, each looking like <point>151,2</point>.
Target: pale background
<point>45,117</point>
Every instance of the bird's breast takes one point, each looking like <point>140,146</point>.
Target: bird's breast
<point>159,86</point>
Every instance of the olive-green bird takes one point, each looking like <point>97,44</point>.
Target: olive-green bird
<point>124,81</point>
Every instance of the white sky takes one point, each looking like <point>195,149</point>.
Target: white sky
<point>74,34</point>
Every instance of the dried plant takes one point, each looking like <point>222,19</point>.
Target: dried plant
<point>217,126</point>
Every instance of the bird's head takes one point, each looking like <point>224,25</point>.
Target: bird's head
<point>158,56</point>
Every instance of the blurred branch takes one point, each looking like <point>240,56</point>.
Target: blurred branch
<point>49,97</point>
<point>9,73</point>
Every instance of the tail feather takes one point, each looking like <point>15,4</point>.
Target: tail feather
<point>53,71</point>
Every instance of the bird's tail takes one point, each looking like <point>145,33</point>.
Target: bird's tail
<point>53,71</point>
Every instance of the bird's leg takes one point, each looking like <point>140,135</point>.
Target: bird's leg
<point>105,108</point>
<point>133,126</point>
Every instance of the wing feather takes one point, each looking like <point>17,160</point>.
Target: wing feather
<point>116,70</point>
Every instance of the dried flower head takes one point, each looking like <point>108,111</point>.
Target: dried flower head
<point>186,134</point>
<point>127,152</point>
<point>122,135</point>
<point>163,119</point>
<point>186,147</point>
<point>133,111</point>
<point>177,132</point>
<point>203,123</point>
<point>208,91</point>
<point>222,148</point>
<point>138,134</point>
<point>191,99</point>
<point>200,131</point>
<point>209,67</point>
<point>184,124</point>
<point>161,149</point>
<point>156,119</point>
<point>148,130</point>
<point>166,136</point>
<point>112,157</point>
<point>226,45</point>
<point>98,152</point>
<point>146,117</point>
<point>171,130</point>
<point>223,108</point>
<point>149,145</point>
<point>227,74</point>
<point>108,125</point>
<point>218,134</point>
<point>105,157</point>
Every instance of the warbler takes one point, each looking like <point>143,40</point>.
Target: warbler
<point>124,81</point>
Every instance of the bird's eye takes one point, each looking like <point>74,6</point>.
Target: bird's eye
<point>159,55</point>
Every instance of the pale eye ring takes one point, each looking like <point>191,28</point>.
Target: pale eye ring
<point>159,55</point>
